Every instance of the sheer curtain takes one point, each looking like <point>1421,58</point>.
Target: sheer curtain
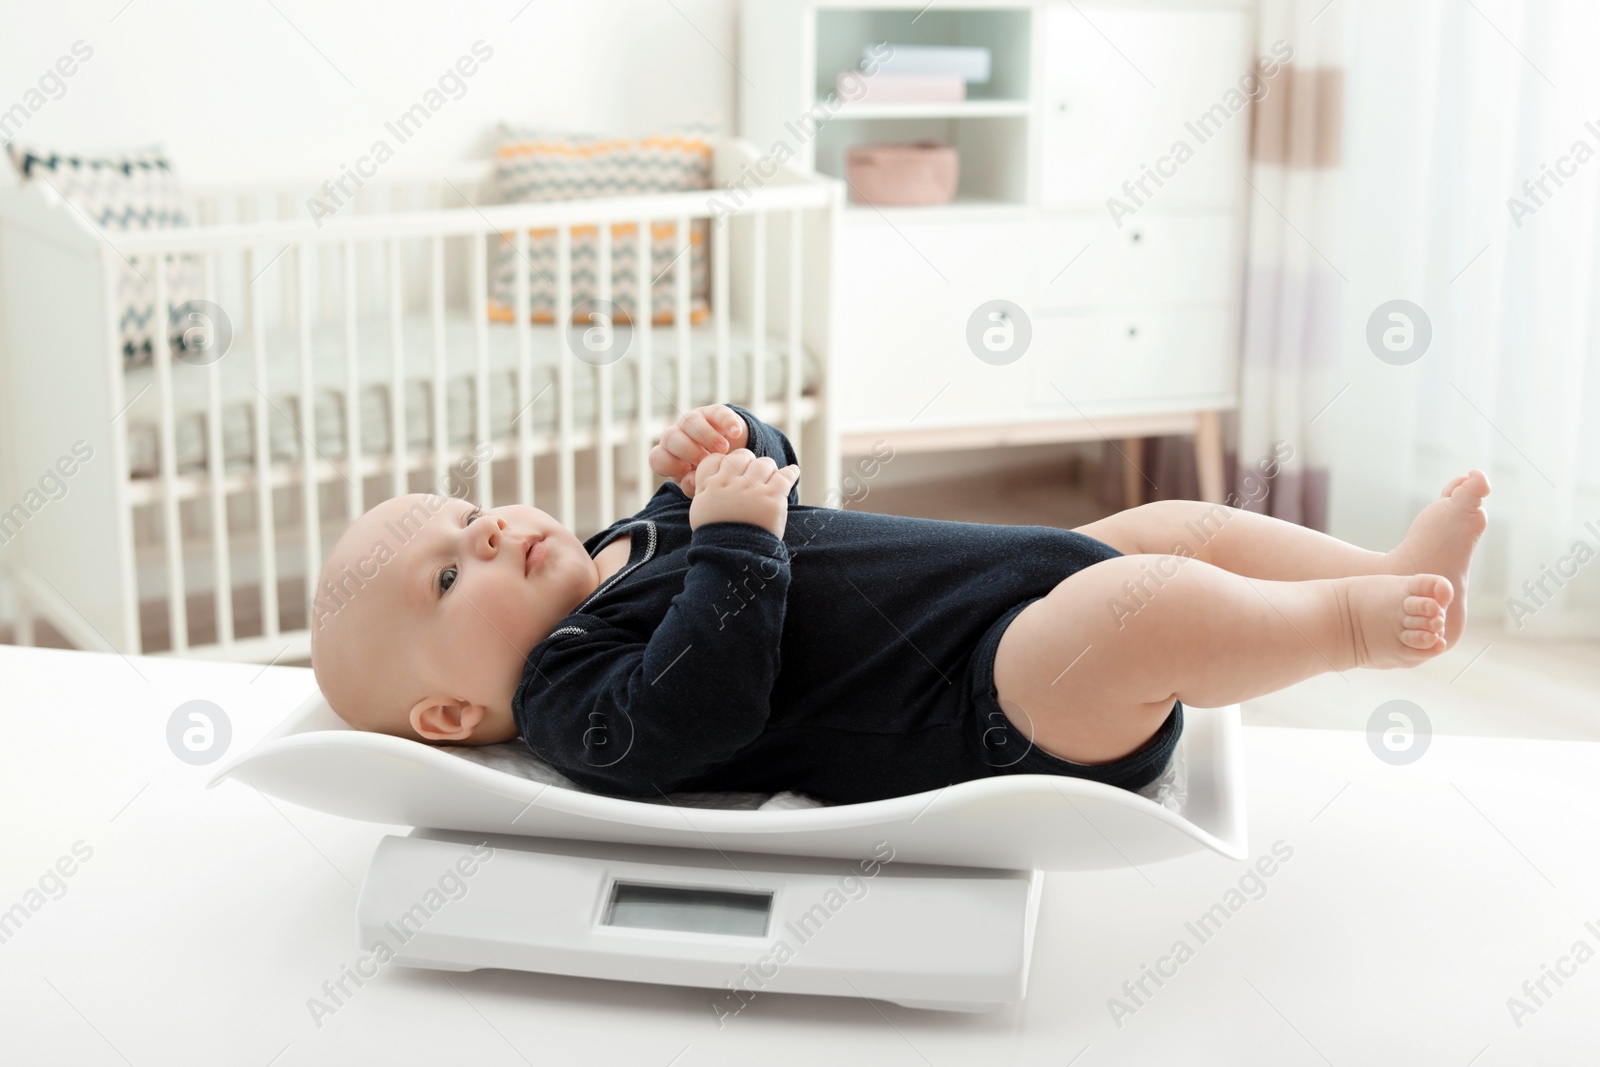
<point>1472,190</point>
<point>1294,287</point>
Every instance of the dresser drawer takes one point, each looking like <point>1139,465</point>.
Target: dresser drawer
<point>906,295</point>
<point>1154,259</point>
<point>1141,354</point>
<point>1075,363</point>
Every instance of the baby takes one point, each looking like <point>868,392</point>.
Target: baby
<point>727,637</point>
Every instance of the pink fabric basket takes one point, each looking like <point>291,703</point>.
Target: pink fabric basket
<point>903,174</point>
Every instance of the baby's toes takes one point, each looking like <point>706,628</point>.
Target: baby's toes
<point>1467,492</point>
<point>1424,608</point>
<point>1424,624</point>
<point>1420,638</point>
<point>1434,587</point>
<point>1421,611</point>
<point>1422,631</point>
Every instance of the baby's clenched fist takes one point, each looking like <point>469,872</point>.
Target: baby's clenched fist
<point>739,487</point>
<point>697,434</point>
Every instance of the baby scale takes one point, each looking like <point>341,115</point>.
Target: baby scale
<point>928,900</point>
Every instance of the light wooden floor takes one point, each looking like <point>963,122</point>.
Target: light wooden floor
<point>1493,684</point>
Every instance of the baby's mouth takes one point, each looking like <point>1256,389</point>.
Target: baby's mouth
<point>532,554</point>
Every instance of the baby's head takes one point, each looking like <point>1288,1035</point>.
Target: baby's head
<point>427,609</point>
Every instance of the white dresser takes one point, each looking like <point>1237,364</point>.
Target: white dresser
<point>1129,311</point>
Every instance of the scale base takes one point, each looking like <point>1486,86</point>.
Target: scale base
<point>735,923</point>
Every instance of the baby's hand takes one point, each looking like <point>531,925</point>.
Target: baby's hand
<point>711,430</point>
<point>738,487</point>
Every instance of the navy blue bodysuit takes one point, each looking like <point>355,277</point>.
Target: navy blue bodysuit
<point>851,660</point>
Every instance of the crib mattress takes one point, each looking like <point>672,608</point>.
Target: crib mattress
<point>191,388</point>
<point>1022,821</point>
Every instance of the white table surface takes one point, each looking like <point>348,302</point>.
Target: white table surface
<point>1418,899</point>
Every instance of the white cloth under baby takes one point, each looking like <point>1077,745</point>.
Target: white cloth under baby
<point>1170,789</point>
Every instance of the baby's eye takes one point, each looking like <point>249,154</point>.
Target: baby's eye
<point>475,513</point>
<point>446,582</point>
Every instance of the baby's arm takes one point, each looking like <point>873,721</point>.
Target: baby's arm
<point>641,714</point>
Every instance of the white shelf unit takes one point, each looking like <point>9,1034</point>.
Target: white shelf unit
<point>1134,321</point>
<point>989,128</point>
<point>965,109</point>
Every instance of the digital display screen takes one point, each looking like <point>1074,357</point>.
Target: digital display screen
<point>700,911</point>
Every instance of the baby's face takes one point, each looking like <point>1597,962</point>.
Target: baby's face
<point>465,595</point>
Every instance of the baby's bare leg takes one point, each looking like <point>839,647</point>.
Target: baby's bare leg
<point>1244,542</point>
<point>1441,540</point>
<point>1091,670</point>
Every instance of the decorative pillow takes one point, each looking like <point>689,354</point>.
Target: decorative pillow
<point>537,167</point>
<point>136,190</point>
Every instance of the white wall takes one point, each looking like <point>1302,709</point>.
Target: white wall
<point>233,89</point>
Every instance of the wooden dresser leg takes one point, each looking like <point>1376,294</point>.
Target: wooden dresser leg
<point>1208,454</point>
<point>1133,472</point>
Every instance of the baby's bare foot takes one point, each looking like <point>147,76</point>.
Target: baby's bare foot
<point>1441,541</point>
<point>1395,620</point>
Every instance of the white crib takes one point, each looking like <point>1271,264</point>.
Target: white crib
<point>364,365</point>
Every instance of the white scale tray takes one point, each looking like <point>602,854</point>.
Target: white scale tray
<point>1011,822</point>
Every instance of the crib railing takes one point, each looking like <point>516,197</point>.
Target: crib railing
<point>761,256</point>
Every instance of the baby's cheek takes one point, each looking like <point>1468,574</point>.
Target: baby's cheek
<point>514,613</point>
<point>492,644</point>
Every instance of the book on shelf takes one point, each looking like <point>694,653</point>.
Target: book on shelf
<point>970,63</point>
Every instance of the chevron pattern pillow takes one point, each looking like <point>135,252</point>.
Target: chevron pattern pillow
<point>536,167</point>
<point>136,190</point>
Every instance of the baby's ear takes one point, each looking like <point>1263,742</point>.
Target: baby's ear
<point>444,718</point>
